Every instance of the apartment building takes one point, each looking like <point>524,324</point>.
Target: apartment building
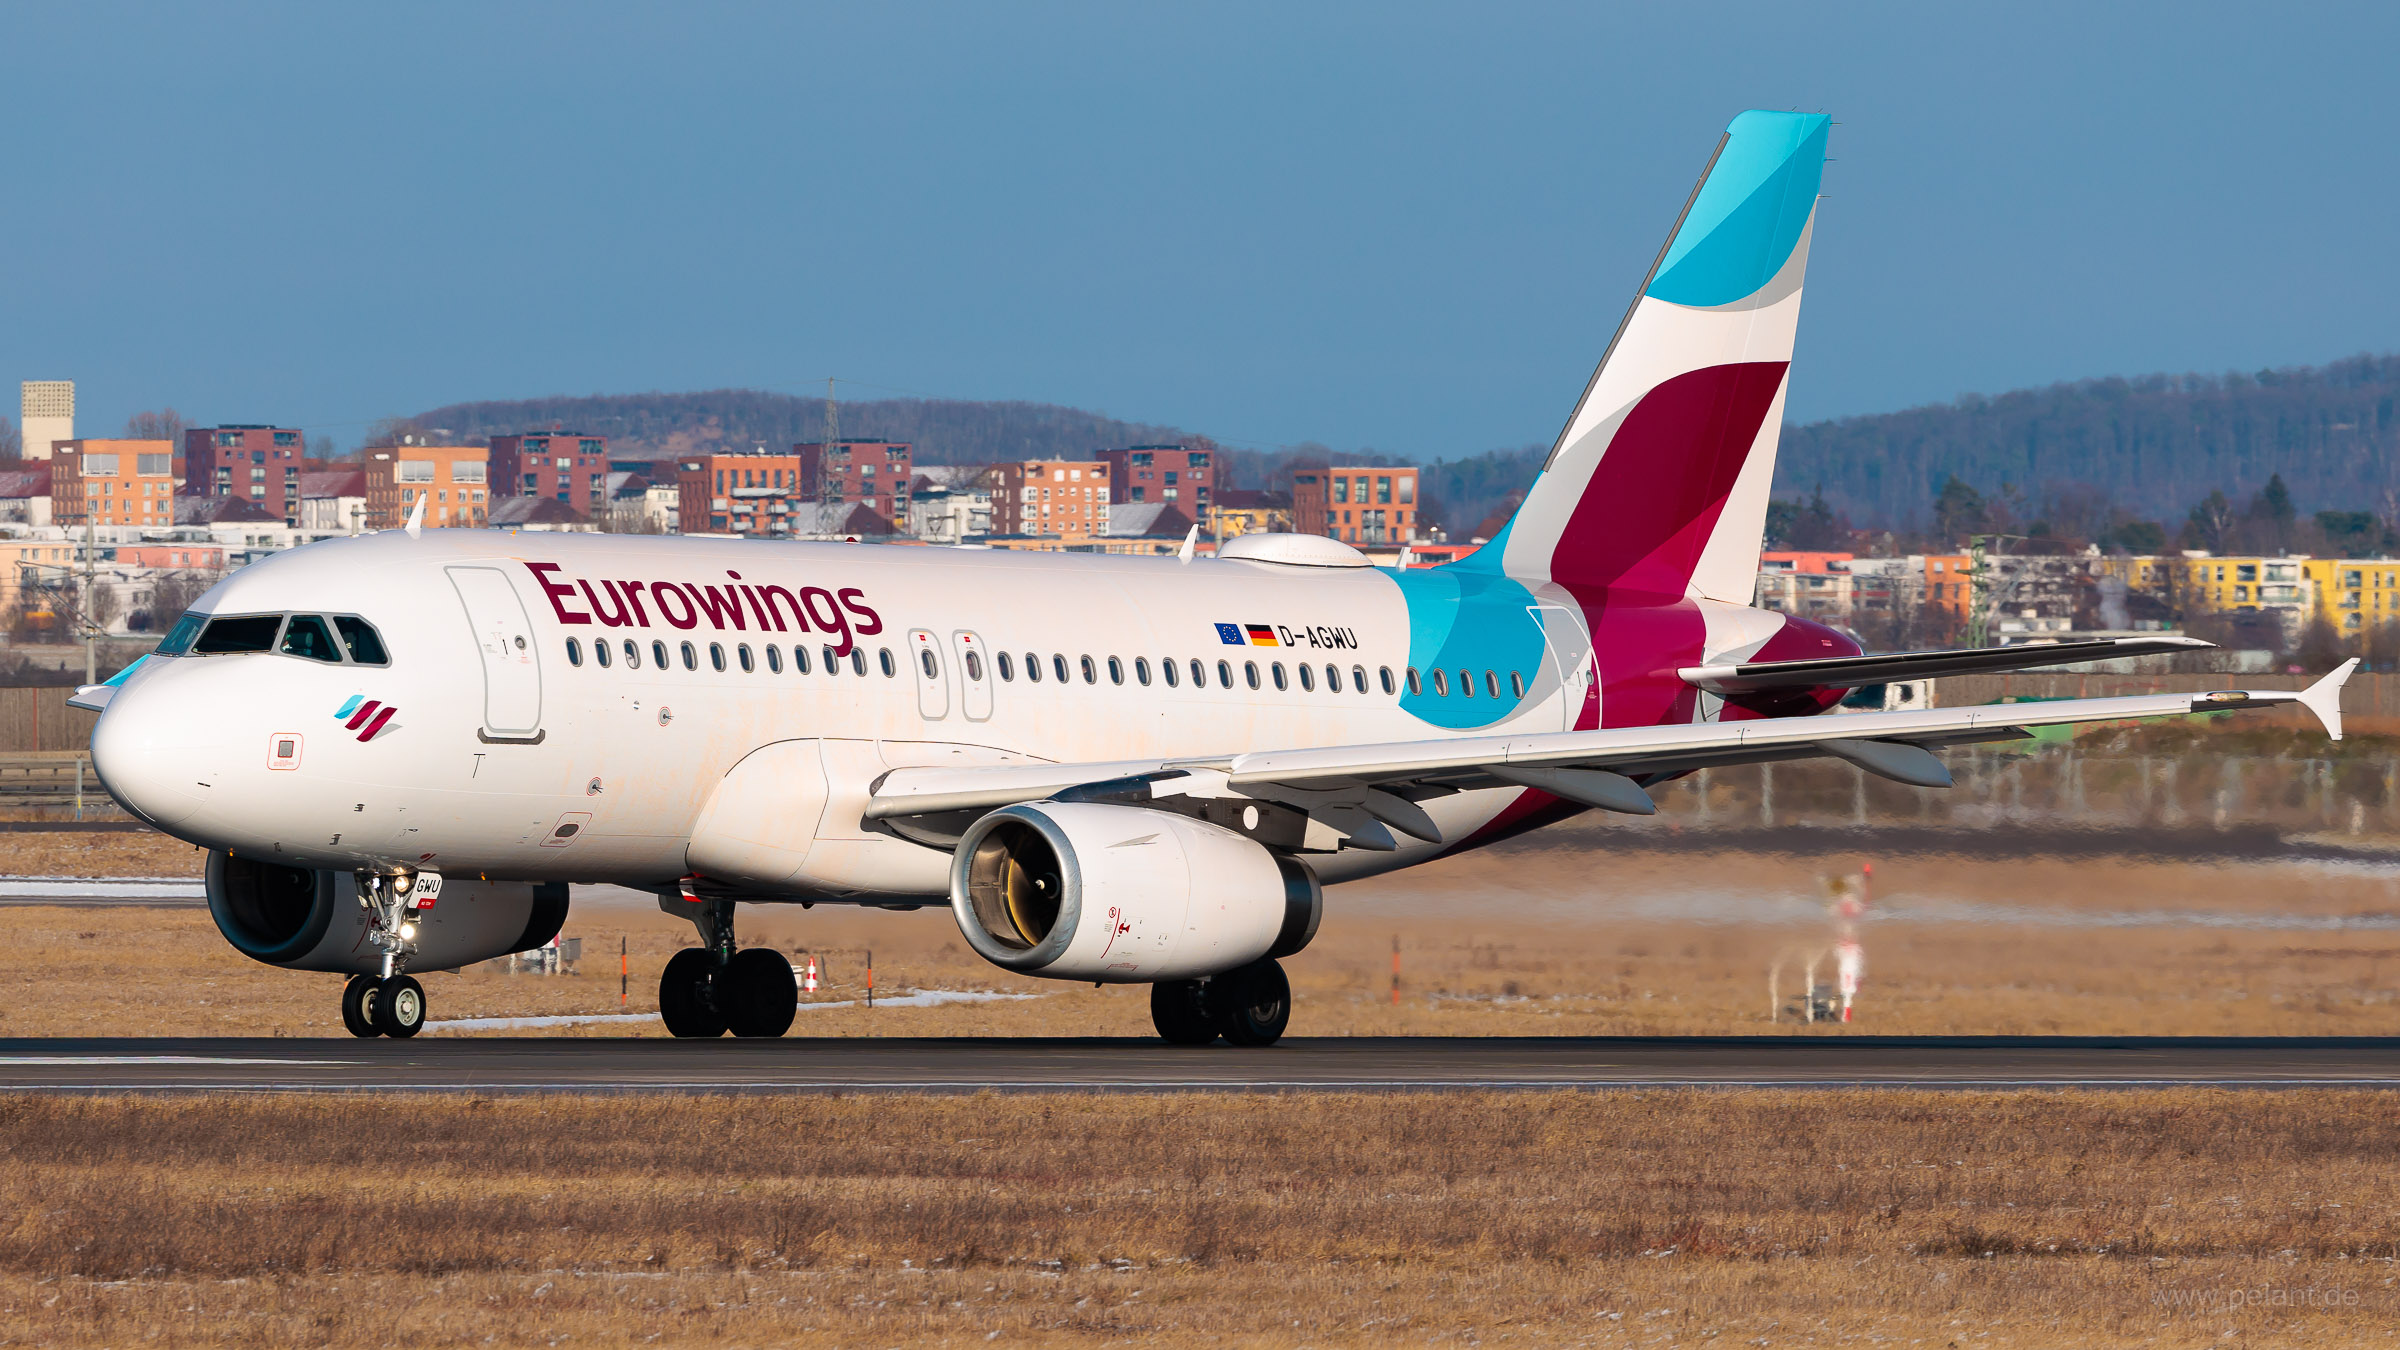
<point>1067,498</point>
<point>565,466</point>
<point>869,473</point>
<point>1357,505</point>
<point>749,493</point>
<point>113,482</point>
<point>258,463</point>
<point>1814,585</point>
<point>454,481</point>
<point>1146,474</point>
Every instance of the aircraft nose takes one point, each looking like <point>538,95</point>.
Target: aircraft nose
<point>155,756</point>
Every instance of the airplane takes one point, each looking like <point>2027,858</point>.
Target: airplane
<point>402,749</point>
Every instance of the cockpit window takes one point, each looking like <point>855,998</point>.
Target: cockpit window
<point>242,633</point>
<point>366,645</point>
<point>179,638</point>
<point>305,636</point>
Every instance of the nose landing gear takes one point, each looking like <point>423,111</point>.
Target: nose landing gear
<point>393,1004</point>
<point>714,988</point>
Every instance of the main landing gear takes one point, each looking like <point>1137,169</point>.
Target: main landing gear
<point>392,1004</point>
<point>1248,1006</point>
<point>714,988</point>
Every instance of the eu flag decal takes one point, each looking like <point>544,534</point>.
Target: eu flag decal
<point>1230,635</point>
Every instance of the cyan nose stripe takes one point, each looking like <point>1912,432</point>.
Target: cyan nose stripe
<point>348,708</point>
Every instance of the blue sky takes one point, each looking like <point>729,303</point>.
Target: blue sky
<point>1397,226</point>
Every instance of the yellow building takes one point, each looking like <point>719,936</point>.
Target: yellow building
<point>2356,594</point>
<point>34,565</point>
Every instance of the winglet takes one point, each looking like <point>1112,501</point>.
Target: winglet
<point>1191,545</point>
<point>416,516</point>
<point>2324,698</point>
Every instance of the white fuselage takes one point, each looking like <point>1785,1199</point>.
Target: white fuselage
<point>496,740</point>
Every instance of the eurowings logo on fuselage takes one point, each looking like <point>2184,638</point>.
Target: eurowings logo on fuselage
<point>842,615</point>
<point>364,716</point>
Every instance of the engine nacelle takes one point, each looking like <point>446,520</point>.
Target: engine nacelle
<point>1125,894</point>
<point>304,920</point>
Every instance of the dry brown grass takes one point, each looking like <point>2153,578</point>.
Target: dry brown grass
<point>1555,941</point>
<point>128,853</point>
<point>1612,1218</point>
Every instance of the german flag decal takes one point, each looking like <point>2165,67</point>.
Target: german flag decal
<point>1261,635</point>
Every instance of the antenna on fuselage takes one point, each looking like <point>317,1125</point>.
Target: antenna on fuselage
<point>1191,546</point>
<point>416,516</point>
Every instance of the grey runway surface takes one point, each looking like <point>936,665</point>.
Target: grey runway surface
<point>803,1064</point>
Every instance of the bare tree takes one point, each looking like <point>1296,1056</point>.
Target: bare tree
<point>393,431</point>
<point>12,445</point>
<point>320,446</point>
<point>165,424</point>
<point>175,593</point>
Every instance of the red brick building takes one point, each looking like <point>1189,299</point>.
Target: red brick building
<point>874,474</point>
<point>565,466</point>
<point>750,494</point>
<point>1068,498</point>
<point>1162,473</point>
<point>1356,505</point>
<point>259,464</point>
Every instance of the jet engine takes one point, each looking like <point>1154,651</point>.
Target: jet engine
<point>1125,894</point>
<point>307,920</point>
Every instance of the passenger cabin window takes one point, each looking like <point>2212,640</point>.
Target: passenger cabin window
<point>1116,671</point>
<point>1058,667</point>
<point>858,661</point>
<point>833,664</point>
<point>600,651</point>
<point>1308,679</point>
<point>1033,668</point>
<point>1516,683</point>
<point>633,655</point>
<point>974,667</point>
<point>1466,683</point>
<point>691,658</point>
<point>1441,683</point>
<point>1280,681</point>
<point>658,655</point>
<point>1250,673</point>
<point>574,652</point>
<point>774,659</point>
<point>1225,675</point>
<point>1141,669</point>
<point>1091,674</point>
<point>305,636</point>
<point>716,656</point>
<point>1386,672</point>
<point>884,657</point>
<point>925,662</point>
<point>799,660</point>
<point>1416,682</point>
<point>1166,667</point>
<point>741,653</point>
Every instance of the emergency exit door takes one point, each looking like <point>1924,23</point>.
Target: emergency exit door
<point>933,679</point>
<point>512,671</point>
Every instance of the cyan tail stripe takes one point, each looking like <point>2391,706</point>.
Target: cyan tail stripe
<point>1747,217</point>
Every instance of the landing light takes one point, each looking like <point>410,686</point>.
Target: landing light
<point>407,931</point>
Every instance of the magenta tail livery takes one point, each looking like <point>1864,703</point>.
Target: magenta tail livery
<point>402,749</point>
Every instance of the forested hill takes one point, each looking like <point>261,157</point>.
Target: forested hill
<point>2155,445</point>
<point>945,431</point>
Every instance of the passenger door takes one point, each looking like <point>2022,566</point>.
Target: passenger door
<point>933,680</point>
<point>974,667</point>
<point>512,672</point>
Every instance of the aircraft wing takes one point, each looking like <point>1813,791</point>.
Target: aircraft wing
<point>1848,672</point>
<point>1597,768</point>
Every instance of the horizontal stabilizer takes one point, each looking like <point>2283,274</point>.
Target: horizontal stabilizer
<point>1849,672</point>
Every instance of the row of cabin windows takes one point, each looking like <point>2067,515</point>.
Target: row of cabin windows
<point>661,656</point>
<point>1168,670</point>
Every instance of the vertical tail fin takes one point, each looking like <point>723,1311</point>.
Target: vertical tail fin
<point>1658,485</point>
